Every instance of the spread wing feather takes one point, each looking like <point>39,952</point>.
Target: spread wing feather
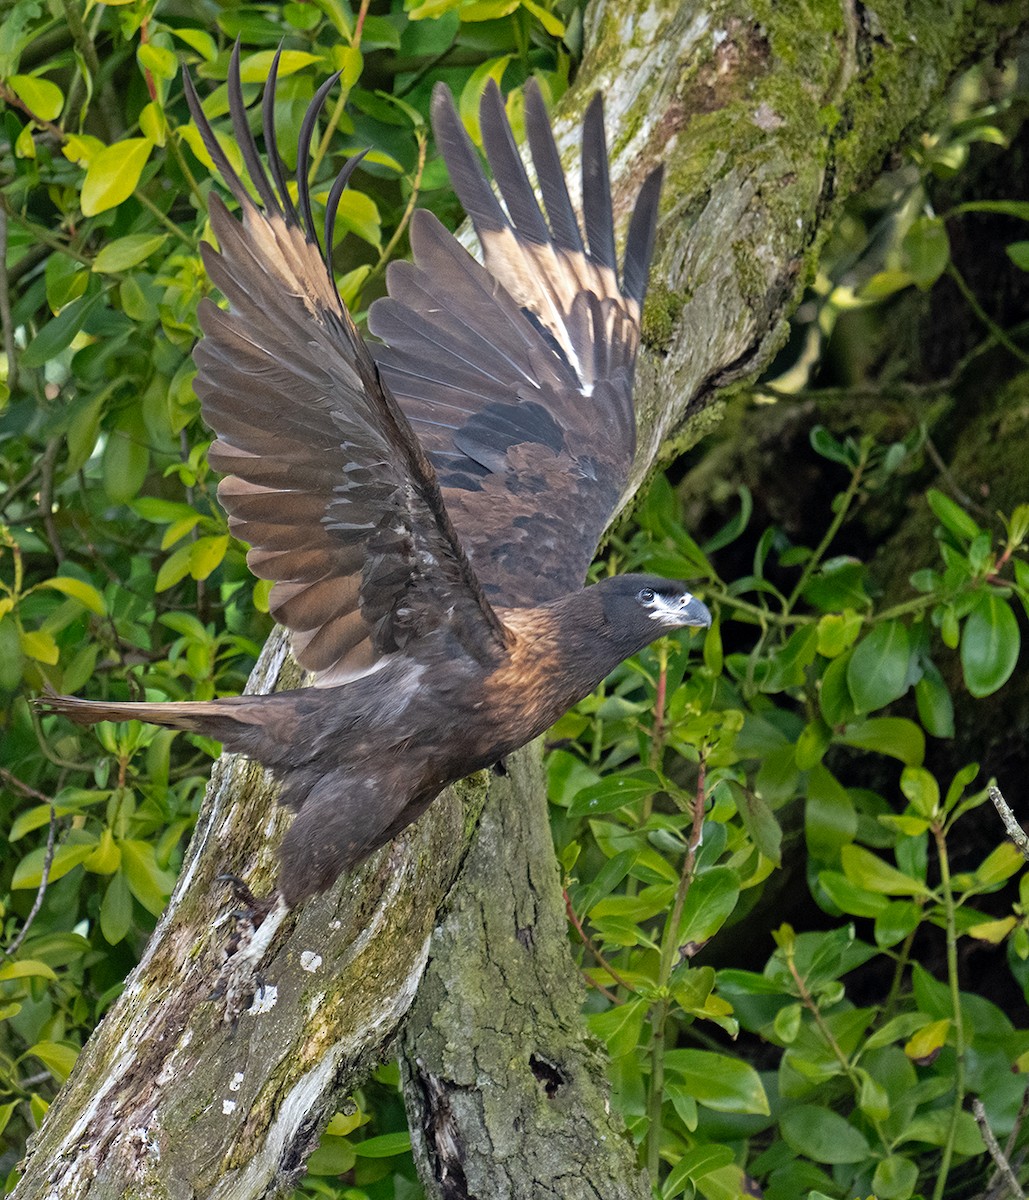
<point>517,374</point>
<point>324,476</point>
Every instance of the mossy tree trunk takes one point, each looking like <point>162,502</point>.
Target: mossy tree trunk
<point>767,116</point>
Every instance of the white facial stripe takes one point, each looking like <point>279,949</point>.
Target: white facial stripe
<point>669,611</point>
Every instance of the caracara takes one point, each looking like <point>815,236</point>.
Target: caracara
<point>427,505</point>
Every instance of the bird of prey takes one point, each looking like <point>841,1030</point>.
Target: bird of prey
<point>428,505</point>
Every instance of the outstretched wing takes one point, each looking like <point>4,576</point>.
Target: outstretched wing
<point>324,476</point>
<point>517,375</point>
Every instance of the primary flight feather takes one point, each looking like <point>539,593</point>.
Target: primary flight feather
<point>427,506</point>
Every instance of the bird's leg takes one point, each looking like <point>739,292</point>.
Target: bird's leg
<point>255,910</point>
<point>239,979</point>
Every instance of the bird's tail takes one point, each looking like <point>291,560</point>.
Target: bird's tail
<point>214,718</point>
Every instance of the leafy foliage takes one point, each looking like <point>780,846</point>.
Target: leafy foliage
<point>680,787</point>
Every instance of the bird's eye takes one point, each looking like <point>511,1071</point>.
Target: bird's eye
<point>646,595</point>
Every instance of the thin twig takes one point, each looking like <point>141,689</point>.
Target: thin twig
<point>26,790</point>
<point>1003,1166</point>
<point>398,233</point>
<point>588,943</point>
<point>1014,830</point>
<point>947,476</point>
<point>997,333</point>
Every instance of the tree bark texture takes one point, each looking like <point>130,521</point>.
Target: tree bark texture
<point>504,1090</point>
<point>767,116</point>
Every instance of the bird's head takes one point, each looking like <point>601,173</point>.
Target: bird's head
<point>644,607</point>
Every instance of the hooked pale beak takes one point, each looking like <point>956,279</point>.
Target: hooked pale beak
<point>694,613</point>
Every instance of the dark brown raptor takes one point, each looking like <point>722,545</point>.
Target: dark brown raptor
<point>426,507</point>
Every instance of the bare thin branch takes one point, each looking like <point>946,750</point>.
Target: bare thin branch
<point>48,858</point>
<point>1003,1166</point>
<point>1015,831</point>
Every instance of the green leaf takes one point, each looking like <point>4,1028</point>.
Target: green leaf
<point>952,516</point>
<point>990,642</point>
<point>812,744</point>
<point>878,670</point>
<point>34,818</point>
<point>866,870</point>
<point>386,1145</point>
<point>850,898</point>
<point>895,1178</point>
<point>921,789</point>
<point>935,706</point>
<point>896,736</point>
<point>56,1057</point>
<point>112,175</point>
<point>255,67</point>
<point>1018,252</point>
<point>550,21</point>
<point>695,1164</point>
<point>830,820</point>
<point>822,1135</point>
<point>29,872</point>
<point>830,447</point>
<point>43,98</point>
<point>126,457</point>
<point>57,335</point>
<point>620,1027</point>
<point>205,554</point>
<point>927,250</point>
<point>833,694</point>
<point>1008,208</point>
<point>899,1029</point>
<point>958,784</point>
<point>334,1156</point>
<point>350,61</point>
<point>126,252</point>
<point>149,884</point>
<point>709,902</point>
<point>39,644</point>
<point>838,586</point>
<point>614,791</point>
<point>6,1112</point>
<point>759,820</point>
<point>719,1082</point>
<point>1000,864</point>
<point>161,511</point>
<point>116,910</point>
<point>883,284</point>
<point>158,60</point>
<point>85,593</point>
<point>471,93</point>
<point>174,568</point>
<point>199,40</point>
<point>837,632</point>
<point>896,921</point>
<point>26,968</point>
<point>934,1128</point>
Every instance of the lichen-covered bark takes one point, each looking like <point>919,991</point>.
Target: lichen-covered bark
<point>504,1088</point>
<point>767,116</point>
